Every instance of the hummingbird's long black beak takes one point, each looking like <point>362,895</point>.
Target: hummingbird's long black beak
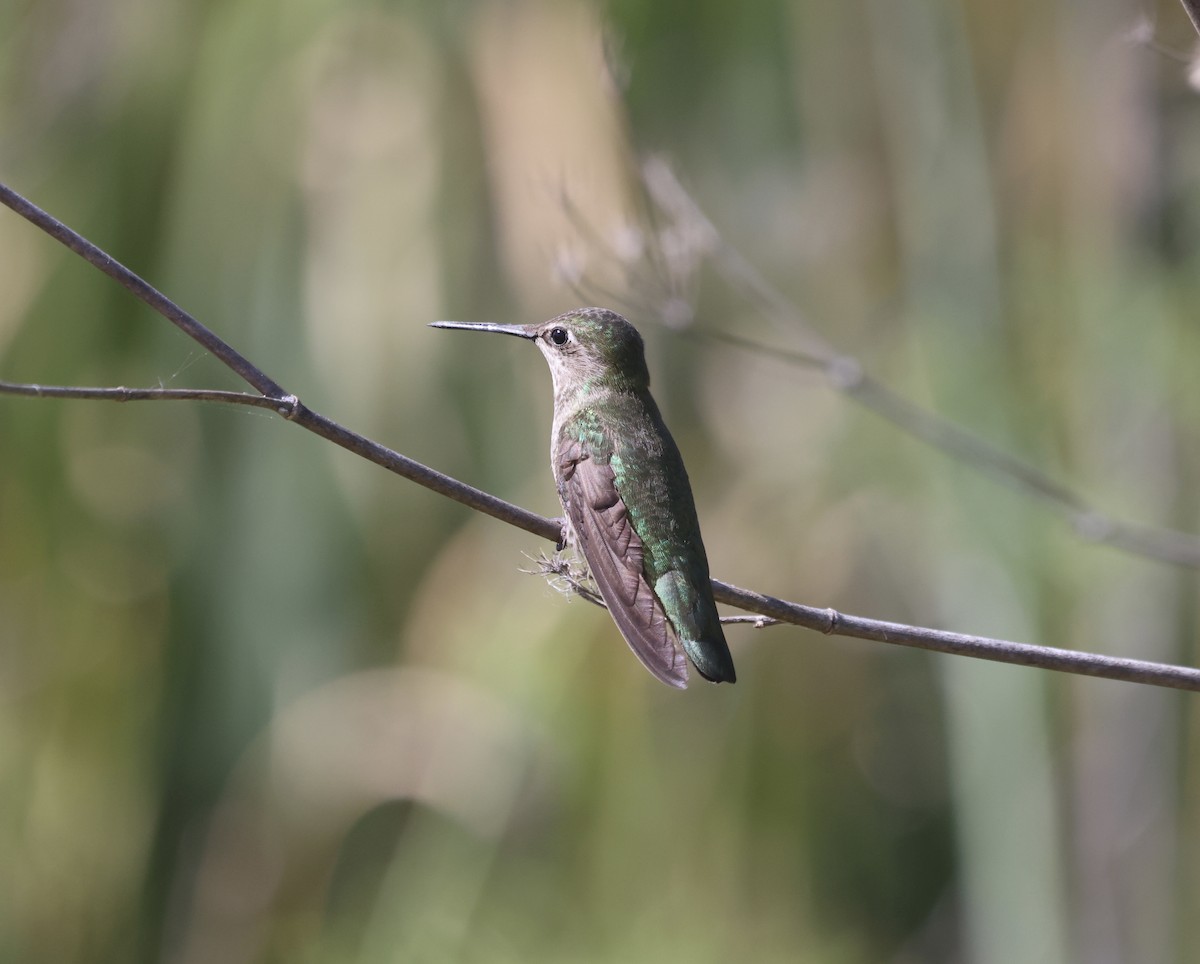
<point>519,330</point>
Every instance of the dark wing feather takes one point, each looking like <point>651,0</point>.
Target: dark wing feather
<point>614,555</point>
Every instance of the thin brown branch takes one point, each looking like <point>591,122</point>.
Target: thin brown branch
<point>758,622</point>
<point>276,397</point>
<point>123,394</point>
<point>833,623</point>
<point>414,471</point>
<point>826,621</point>
<point>143,291</point>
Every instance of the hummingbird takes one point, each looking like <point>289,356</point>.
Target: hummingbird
<point>627,502</point>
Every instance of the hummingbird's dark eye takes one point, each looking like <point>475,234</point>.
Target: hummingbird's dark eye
<point>558,336</point>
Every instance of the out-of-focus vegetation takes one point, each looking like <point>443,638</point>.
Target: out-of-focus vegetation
<point>260,701</point>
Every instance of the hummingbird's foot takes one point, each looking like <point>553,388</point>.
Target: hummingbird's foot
<point>564,534</point>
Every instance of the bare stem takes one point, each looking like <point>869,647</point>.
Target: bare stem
<point>827,621</point>
<point>847,375</point>
<point>123,394</point>
<point>1193,11</point>
<point>141,290</point>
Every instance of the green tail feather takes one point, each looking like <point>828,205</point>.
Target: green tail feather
<point>698,626</point>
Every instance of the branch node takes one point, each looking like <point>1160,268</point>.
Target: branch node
<point>845,373</point>
<point>834,619</point>
<point>1093,526</point>
<point>288,406</point>
<point>756,622</point>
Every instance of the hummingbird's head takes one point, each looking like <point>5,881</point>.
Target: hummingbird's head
<point>586,348</point>
<point>591,347</point>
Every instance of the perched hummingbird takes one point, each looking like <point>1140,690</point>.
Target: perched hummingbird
<point>626,498</point>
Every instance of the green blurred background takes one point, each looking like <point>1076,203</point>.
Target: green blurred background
<point>262,701</point>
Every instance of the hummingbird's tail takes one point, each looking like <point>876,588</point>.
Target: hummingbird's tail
<point>693,614</point>
<point>711,658</point>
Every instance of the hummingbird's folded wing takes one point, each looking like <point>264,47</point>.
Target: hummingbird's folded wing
<point>614,555</point>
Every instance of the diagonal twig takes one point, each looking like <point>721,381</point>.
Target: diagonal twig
<point>1193,11</point>
<point>847,375</point>
<point>143,291</point>
<point>123,394</point>
<point>290,407</point>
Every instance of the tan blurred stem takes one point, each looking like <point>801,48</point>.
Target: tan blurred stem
<point>846,374</point>
<point>1193,11</point>
<point>828,621</point>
